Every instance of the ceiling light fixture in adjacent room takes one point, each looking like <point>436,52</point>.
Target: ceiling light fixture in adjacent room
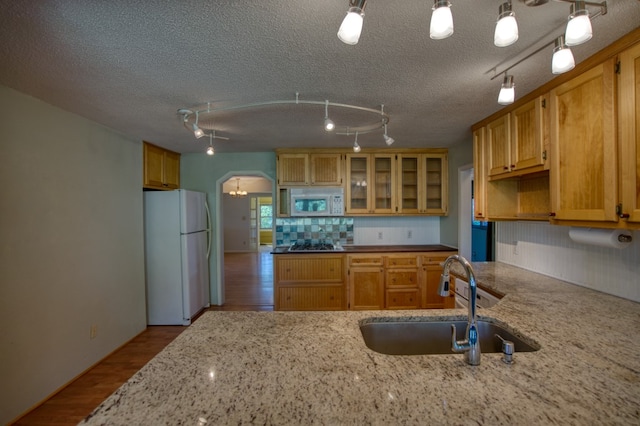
<point>562,60</point>
<point>507,91</point>
<point>506,32</point>
<point>579,25</point>
<point>441,20</point>
<point>351,26</point>
<point>238,192</point>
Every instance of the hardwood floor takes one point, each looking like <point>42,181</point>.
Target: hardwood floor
<point>248,287</point>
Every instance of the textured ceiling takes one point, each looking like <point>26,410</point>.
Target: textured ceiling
<point>130,65</point>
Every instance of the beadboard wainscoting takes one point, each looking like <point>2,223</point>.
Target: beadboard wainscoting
<point>547,249</point>
<point>409,230</point>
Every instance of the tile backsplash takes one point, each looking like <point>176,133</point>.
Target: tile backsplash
<point>314,230</point>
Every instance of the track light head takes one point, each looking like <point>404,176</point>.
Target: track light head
<point>562,57</point>
<point>507,92</point>
<point>579,25</point>
<point>387,139</point>
<point>210,150</point>
<point>351,27</point>
<point>329,125</point>
<point>197,131</point>
<point>441,20</point>
<point>356,147</point>
<point>506,32</point>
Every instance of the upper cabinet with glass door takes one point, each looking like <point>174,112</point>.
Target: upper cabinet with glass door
<point>371,184</point>
<point>422,183</point>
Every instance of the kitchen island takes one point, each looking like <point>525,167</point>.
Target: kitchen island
<point>314,368</point>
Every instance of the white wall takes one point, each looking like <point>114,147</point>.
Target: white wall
<point>547,249</point>
<point>71,247</point>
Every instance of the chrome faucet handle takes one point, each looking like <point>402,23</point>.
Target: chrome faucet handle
<point>458,346</point>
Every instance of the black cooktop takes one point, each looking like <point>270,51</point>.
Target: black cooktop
<point>308,246</point>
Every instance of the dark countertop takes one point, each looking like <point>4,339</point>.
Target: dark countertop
<point>372,249</point>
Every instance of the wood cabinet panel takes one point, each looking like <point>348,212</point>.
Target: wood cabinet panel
<point>311,297</point>
<point>309,268</point>
<point>161,168</point>
<point>527,135</point>
<point>431,271</point>
<point>326,169</point>
<point>498,142</point>
<point>584,173</point>
<point>366,287</point>
<point>293,169</point>
<point>629,119</point>
<point>402,298</point>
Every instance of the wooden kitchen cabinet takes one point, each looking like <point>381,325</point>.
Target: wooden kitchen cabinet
<point>309,282</point>
<point>366,281</point>
<point>371,183</point>
<point>584,175</point>
<point>422,184</point>
<point>161,169</point>
<point>479,176</point>
<point>629,127</point>
<point>402,285</point>
<point>515,143</point>
<point>431,271</point>
<point>303,168</point>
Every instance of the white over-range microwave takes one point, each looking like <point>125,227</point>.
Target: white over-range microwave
<point>327,201</point>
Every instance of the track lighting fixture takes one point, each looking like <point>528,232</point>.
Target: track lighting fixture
<point>356,147</point>
<point>197,131</point>
<point>507,92</point>
<point>210,147</point>
<point>441,20</point>
<point>579,25</point>
<point>329,125</point>
<point>351,26</point>
<point>562,57</point>
<point>506,32</point>
<point>387,139</point>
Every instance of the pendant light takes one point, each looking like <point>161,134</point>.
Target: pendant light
<point>237,192</point>
<point>506,32</point>
<point>579,25</point>
<point>351,27</point>
<point>210,150</point>
<point>441,20</point>
<point>562,57</point>
<point>387,139</point>
<point>507,92</point>
<point>356,147</point>
<point>329,125</point>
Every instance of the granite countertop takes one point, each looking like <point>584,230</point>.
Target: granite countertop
<point>348,249</point>
<point>314,368</point>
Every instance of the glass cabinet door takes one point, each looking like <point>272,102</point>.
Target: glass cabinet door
<point>384,180</point>
<point>408,183</point>
<point>358,197</point>
<point>435,180</point>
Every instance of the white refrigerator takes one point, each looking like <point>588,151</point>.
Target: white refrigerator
<point>177,243</point>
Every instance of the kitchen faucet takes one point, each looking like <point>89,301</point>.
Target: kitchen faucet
<point>471,344</point>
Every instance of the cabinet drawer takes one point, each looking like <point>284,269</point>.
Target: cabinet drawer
<point>309,298</point>
<point>401,261</point>
<point>403,299</point>
<point>362,260</point>
<point>313,268</point>
<point>435,259</point>
<point>401,278</point>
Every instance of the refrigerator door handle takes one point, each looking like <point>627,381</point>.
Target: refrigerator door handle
<point>209,228</point>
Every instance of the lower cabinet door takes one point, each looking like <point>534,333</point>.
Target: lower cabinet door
<point>403,299</point>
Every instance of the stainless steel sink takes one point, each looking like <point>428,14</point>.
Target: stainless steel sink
<point>393,337</point>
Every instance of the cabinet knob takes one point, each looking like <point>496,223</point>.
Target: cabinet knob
<point>505,168</point>
<point>513,166</point>
<point>552,214</point>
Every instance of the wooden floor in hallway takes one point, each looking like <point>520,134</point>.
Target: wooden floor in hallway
<point>249,287</point>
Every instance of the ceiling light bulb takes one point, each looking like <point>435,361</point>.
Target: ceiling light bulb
<point>507,92</point>
<point>356,147</point>
<point>441,20</point>
<point>351,26</point>
<point>562,57</point>
<point>210,150</point>
<point>197,131</point>
<point>579,26</point>
<point>507,27</point>
<point>328,124</point>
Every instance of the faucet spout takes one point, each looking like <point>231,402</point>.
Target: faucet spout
<point>471,344</point>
